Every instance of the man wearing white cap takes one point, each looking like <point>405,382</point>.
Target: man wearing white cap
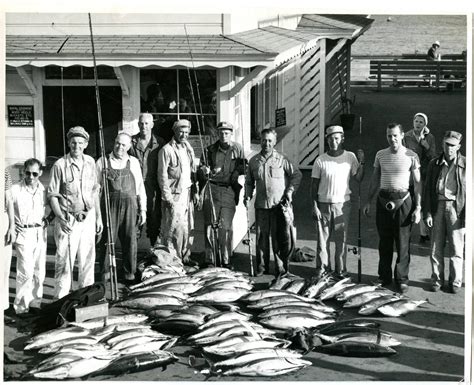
<point>74,199</point>
<point>176,178</point>
<point>331,199</point>
<point>444,201</point>
<point>225,163</point>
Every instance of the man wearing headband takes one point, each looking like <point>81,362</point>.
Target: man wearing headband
<point>331,199</point>
<point>74,199</point>
<point>444,201</point>
<point>394,167</point>
<point>176,178</point>
<point>421,140</point>
<point>127,198</point>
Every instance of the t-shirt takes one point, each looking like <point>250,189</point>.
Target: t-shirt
<point>396,167</point>
<point>334,173</point>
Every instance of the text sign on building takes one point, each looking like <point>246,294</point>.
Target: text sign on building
<point>21,116</point>
<point>280,117</point>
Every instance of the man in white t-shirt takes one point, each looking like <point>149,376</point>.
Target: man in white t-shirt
<point>330,193</point>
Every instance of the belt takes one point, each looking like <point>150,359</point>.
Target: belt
<point>391,191</point>
<point>220,184</point>
<point>29,226</point>
<point>393,204</point>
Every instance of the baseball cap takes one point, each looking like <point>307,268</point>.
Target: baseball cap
<point>334,130</point>
<point>77,131</point>
<point>225,126</point>
<point>452,137</point>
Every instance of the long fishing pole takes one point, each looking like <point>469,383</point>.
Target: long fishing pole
<point>247,241</point>
<point>359,238</point>
<point>71,266</point>
<point>214,218</point>
<point>110,241</point>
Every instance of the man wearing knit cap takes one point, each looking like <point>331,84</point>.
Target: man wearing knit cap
<point>73,196</point>
<point>176,178</point>
<point>444,208</point>
<point>225,162</point>
<point>331,199</point>
<point>423,143</point>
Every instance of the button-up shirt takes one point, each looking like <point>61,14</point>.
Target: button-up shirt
<point>147,156</point>
<point>74,183</point>
<point>272,176</point>
<point>447,185</point>
<point>29,203</point>
<point>119,164</point>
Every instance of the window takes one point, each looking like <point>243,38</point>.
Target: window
<point>79,72</point>
<point>172,94</point>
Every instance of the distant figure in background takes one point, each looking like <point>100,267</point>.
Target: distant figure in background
<point>9,223</point>
<point>421,140</point>
<point>145,147</point>
<point>444,201</point>
<point>432,53</point>
<point>29,202</point>
<point>128,204</point>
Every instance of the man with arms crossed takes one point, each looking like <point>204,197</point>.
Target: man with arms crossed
<point>396,209</point>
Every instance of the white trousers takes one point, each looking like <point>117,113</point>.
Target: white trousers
<point>7,260</point>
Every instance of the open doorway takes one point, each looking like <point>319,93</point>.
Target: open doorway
<point>80,109</point>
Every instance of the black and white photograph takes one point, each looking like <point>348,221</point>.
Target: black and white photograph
<point>251,195</point>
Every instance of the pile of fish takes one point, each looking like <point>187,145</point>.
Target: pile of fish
<point>118,344</point>
<point>370,298</point>
<point>355,338</point>
<point>234,345</point>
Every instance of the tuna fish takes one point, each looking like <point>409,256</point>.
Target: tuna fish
<point>363,298</point>
<point>55,335</point>
<point>291,321</point>
<point>282,298</point>
<point>150,302</point>
<point>295,286</point>
<point>221,295</point>
<point>333,291</point>
<point>165,311</point>
<point>111,320</point>
<point>357,322</point>
<point>55,346</point>
<point>316,288</point>
<point>151,346</point>
<point>372,306</point>
<point>135,362</point>
<point>247,346</point>
<point>285,233</point>
<point>268,367</point>
<point>400,307</point>
<point>354,290</point>
<point>75,369</point>
<point>356,349</point>
<point>295,310</point>
<point>154,279</point>
<point>375,337</point>
<point>134,334</point>
<point>222,317</point>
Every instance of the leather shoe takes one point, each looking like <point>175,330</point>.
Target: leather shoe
<point>403,287</point>
<point>228,266</point>
<point>435,287</point>
<point>260,272</point>
<point>454,289</point>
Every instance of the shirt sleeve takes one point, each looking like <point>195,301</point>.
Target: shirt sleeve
<point>316,171</point>
<point>163,162</point>
<point>294,175</point>
<point>377,160</point>
<point>136,171</point>
<point>249,180</point>
<point>415,162</point>
<point>8,180</point>
<point>54,186</point>
<point>354,163</point>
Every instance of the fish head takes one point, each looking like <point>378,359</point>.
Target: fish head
<point>59,373</point>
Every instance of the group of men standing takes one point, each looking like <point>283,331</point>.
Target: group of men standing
<point>157,183</point>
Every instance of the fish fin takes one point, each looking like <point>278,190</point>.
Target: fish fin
<point>65,323</point>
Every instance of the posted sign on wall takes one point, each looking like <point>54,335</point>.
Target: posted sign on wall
<point>21,116</point>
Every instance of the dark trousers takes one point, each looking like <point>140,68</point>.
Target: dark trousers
<point>394,227</point>
<point>266,227</point>
<point>153,211</point>
<point>123,218</point>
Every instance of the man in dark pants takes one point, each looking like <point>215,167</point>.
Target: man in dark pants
<point>275,179</point>
<point>396,209</point>
<point>145,147</point>
<point>127,202</point>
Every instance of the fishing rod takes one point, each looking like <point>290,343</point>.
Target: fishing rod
<point>110,246</point>
<point>247,241</point>
<point>63,125</point>
<point>215,222</point>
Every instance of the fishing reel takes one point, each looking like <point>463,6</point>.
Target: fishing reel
<point>355,250</point>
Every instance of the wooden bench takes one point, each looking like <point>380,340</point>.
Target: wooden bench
<point>421,72</point>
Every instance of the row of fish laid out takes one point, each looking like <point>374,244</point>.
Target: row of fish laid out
<point>358,337</point>
<point>214,285</point>
<point>234,345</point>
<point>370,298</point>
<point>105,344</point>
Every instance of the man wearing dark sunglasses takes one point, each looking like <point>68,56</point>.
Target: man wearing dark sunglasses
<point>29,202</point>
